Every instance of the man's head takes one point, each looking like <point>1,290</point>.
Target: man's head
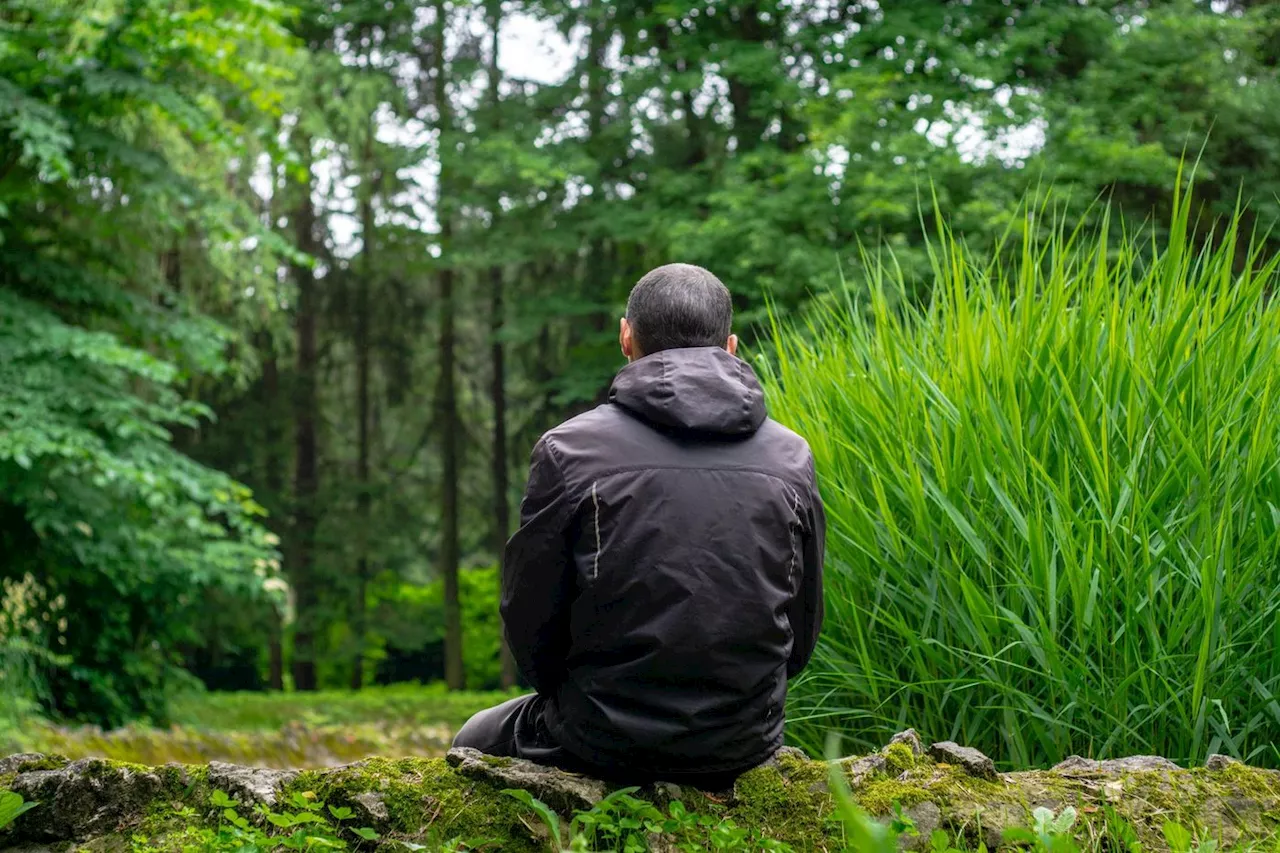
<point>676,306</point>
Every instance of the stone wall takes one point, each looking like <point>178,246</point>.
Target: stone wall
<point>95,804</point>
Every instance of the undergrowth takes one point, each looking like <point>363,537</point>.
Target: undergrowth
<point>1053,494</point>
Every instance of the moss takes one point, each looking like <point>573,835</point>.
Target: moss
<point>496,760</point>
<point>1236,779</point>
<point>787,803</point>
<point>878,796</point>
<point>900,757</point>
<point>425,799</point>
<point>48,762</point>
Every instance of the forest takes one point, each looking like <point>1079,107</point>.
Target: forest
<point>289,289</point>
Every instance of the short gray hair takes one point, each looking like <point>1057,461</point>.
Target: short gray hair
<point>677,306</point>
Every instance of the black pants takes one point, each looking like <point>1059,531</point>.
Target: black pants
<point>516,729</point>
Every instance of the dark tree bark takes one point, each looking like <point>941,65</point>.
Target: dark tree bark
<point>447,398</point>
<point>597,276</point>
<point>306,477</point>
<point>748,124</point>
<point>359,619</point>
<point>500,464</point>
<point>273,429</point>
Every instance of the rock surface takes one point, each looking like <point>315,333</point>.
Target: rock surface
<point>564,792</point>
<point>249,784</point>
<point>101,805</point>
<point>1077,765</point>
<point>1220,762</point>
<point>969,759</point>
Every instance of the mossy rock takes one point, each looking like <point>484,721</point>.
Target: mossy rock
<point>100,805</point>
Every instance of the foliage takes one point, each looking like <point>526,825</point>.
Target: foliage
<point>12,806</point>
<point>32,625</point>
<point>104,119</point>
<point>412,617</point>
<point>304,824</point>
<point>625,823</point>
<point>1053,494</point>
<point>252,207</point>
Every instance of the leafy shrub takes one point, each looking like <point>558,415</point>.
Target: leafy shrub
<point>1054,495</point>
<point>411,617</point>
<point>97,345</point>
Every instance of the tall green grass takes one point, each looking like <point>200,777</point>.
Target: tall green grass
<point>1054,497</point>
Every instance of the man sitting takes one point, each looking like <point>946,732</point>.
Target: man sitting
<point>666,579</point>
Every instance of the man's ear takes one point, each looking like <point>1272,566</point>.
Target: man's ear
<point>732,345</point>
<point>625,340</point>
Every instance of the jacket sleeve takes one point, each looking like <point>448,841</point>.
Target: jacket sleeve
<point>537,576</point>
<point>807,607</point>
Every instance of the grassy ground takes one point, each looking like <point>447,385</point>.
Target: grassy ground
<point>397,705</point>
<point>275,729</point>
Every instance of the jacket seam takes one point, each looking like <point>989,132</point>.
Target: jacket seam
<point>626,469</point>
<point>555,457</point>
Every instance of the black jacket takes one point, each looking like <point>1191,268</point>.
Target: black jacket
<point>666,579</point>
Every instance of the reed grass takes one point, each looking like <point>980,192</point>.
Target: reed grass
<point>1053,493</point>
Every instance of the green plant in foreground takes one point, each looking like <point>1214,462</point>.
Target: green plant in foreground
<point>11,806</point>
<point>624,823</point>
<point>1054,496</point>
<point>304,825</point>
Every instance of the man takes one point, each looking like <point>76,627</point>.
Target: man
<point>666,579</point>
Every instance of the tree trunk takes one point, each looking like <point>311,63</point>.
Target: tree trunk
<point>447,398</point>
<point>274,439</point>
<point>306,479</point>
<point>597,281</point>
<point>359,619</point>
<point>500,466</point>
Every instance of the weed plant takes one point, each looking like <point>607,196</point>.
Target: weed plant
<point>1053,493</point>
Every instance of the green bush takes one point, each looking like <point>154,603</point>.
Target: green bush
<point>110,164</point>
<point>1054,498</point>
<point>412,616</point>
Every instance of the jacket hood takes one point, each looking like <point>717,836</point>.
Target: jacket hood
<point>700,389</point>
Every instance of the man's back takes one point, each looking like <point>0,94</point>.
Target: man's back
<point>666,579</point>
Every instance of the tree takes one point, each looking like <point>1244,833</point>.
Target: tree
<point>107,126</point>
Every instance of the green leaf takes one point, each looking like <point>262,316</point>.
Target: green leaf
<point>1177,836</point>
<point>11,806</point>
<point>541,809</point>
<point>219,799</point>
